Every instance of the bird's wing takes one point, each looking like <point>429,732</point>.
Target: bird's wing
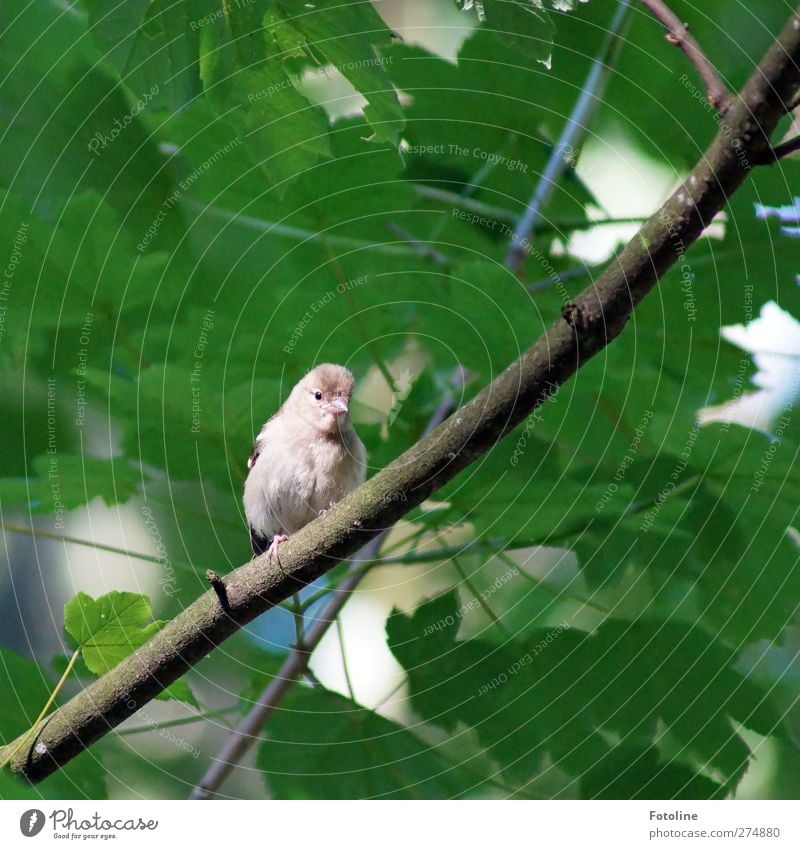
<point>251,460</point>
<point>259,542</point>
<point>258,445</point>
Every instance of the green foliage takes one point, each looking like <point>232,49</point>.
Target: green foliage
<point>197,208</point>
<point>565,694</point>
<point>345,36</point>
<point>324,746</point>
<point>26,688</point>
<point>107,629</point>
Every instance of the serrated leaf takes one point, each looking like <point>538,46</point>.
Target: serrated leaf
<point>324,746</point>
<point>632,773</point>
<point>152,44</point>
<point>26,687</point>
<point>179,691</point>
<point>286,135</point>
<point>65,482</point>
<point>561,692</point>
<point>523,26</point>
<point>346,35</point>
<point>109,628</point>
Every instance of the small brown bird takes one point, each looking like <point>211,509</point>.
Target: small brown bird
<point>305,459</point>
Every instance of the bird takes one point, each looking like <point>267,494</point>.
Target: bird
<point>306,457</point>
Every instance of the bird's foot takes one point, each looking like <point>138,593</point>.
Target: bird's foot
<point>272,551</point>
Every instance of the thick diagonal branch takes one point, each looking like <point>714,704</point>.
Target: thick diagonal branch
<point>586,327</point>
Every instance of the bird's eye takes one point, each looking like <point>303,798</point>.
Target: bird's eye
<point>318,395</point>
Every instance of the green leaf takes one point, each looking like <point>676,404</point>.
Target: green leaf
<point>283,133</point>
<point>633,773</point>
<point>562,692</point>
<point>523,26</point>
<point>26,687</point>
<point>531,715</point>
<point>65,482</point>
<point>346,35</point>
<point>324,746</point>
<point>153,44</point>
<point>109,628</point>
<point>181,692</point>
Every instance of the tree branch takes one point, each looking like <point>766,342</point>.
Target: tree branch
<point>566,146</point>
<point>782,150</point>
<point>679,35</point>
<point>586,327</point>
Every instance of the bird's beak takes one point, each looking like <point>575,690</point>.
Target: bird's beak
<point>338,407</point>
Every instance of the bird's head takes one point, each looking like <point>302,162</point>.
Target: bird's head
<point>322,397</point>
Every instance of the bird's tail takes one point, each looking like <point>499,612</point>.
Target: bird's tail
<point>260,543</point>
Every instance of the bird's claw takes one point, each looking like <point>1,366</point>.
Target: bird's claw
<point>272,551</point>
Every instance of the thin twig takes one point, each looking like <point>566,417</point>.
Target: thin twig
<point>43,713</point>
<point>558,277</point>
<point>555,593</point>
<point>431,555</point>
<point>785,149</point>
<point>274,228</point>
<point>679,35</point>
<point>396,689</point>
<point>456,200</point>
<point>248,730</point>
<point>475,183</point>
<point>567,144</point>
<point>484,605</point>
<point>425,251</point>
<point>296,609</point>
<point>498,213</point>
<point>570,274</point>
<point>181,720</point>
<point>343,652</point>
<point>100,546</point>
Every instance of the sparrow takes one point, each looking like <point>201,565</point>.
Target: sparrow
<point>305,458</point>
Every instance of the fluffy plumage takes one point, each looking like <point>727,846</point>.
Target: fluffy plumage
<point>305,459</point>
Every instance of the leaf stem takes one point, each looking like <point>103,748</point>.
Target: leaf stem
<point>340,635</point>
<point>181,720</point>
<point>100,546</point>
<point>484,605</point>
<point>56,690</point>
